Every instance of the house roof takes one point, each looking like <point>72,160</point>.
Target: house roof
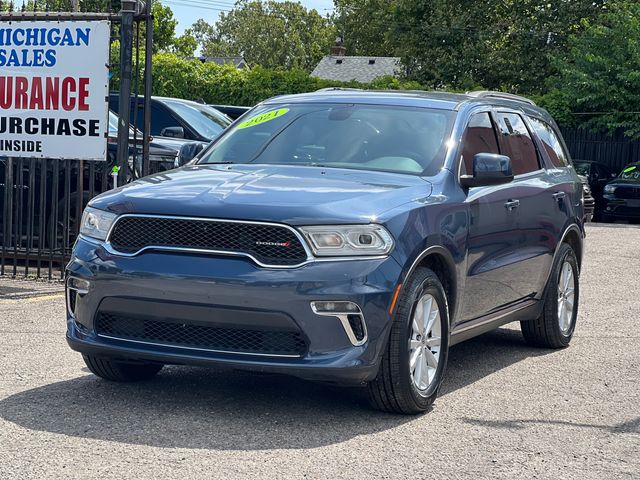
<point>361,69</point>
<point>237,61</point>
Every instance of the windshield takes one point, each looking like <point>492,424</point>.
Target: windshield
<point>367,137</point>
<point>631,172</point>
<point>581,168</point>
<point>206,120</point>
<point>113,126</point>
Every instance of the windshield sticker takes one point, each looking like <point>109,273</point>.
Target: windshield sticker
<point>263,118</point>
<point>630,169</point>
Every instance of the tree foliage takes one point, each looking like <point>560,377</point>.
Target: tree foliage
<point>599,74</point>
<point>268,33</point>
<point>497,44</point>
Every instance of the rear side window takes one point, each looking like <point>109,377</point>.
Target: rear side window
<point>517,143</point>
<point>551,142</point>
<point>479,137</point>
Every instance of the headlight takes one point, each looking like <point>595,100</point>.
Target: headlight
<point>348,240</point>
<point>609,189</point>
<point>586,189</point>
<point>96,223</point>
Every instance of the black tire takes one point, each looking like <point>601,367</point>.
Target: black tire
<point>115,371</point>
<point>393,389</point>
<point>545,330</point>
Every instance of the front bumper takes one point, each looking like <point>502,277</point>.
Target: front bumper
<point>233,292</point>
<point>621,207</point>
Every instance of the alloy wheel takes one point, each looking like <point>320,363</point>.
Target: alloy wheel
<point>566,296</point>
<point>425,342</point>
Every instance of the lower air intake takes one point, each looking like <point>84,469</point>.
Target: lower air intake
<point>200,337</point>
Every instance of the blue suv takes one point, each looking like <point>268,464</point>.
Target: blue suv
<point>344,236</point>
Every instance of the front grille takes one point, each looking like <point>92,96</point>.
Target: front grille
<point>627,192</point>
<point>269,244</point>
<point>178,334</point>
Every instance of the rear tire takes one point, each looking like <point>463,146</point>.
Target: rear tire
<point>399,387</point>
<point>115,371</point>
<point>555,327</point>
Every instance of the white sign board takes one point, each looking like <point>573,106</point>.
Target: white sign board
<point>54,84</point>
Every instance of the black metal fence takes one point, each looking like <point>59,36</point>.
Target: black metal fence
<point>41,203</point>
<point>41,200</point>
<point>615,150</point>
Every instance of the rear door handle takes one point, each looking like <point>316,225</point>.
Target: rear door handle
<point>512,204</point>
<point>559,195</point>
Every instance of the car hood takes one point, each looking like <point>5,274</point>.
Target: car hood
<point>619,182</point>
<point>170,146</point>
<point>289,194</point>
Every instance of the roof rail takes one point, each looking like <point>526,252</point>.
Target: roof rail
<point>344,89</point>
<point>505,96</point>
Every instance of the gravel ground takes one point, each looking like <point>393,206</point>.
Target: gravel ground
<point>506,410</point>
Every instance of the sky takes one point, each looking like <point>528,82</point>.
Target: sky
<point>188,11</point>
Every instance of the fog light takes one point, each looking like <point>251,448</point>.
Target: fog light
<point>349,314</point>
<point>334,307</point>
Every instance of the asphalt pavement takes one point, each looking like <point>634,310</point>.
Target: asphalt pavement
<point>506,410</point>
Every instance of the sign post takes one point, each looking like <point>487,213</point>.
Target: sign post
<point>54,88</point>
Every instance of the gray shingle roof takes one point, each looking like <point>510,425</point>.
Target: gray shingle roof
<point>361,69</point>
<point>237,61</point>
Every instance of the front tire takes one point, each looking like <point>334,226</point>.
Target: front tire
<point>555,327</point>
<point>413,365</point>
<point>115,371</point>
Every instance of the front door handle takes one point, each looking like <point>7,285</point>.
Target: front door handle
<point>512,204</point>
<point>559,196</point>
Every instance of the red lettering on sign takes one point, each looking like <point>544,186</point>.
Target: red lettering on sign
<point>44,93</point>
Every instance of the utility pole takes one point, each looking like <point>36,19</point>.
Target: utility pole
<point>148,78</point>
<point>128,11</point>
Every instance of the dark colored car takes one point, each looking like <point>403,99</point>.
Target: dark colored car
<point>342,236</point>
<point>177,118</point>
<point>589,201</point>
<point>164,153</point>
<point>232,111</point>
<point>621,199</point>
<point>597,175</point>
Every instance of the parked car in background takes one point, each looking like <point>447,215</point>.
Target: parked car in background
<point>597,175</point>
<point>164,153</point>
<point>176,118</point>
<point>589,201</point>
<point>621,198</point>
<point>343,236</point>
<point>232,111</point>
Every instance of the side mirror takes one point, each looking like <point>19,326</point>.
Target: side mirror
<point>488,169</point>
<point>172,132</point>
<point>188,152</point>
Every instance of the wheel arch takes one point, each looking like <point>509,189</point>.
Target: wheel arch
<point>574,237</point>
<point>440,261</point>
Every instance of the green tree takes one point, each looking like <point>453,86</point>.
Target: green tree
<point>364,26</point>
<point>600,72</point>
<point>461,44</point>
<point>269,33</point>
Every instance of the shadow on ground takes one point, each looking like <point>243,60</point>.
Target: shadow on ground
<point>207,409</point>
<point>631,426</point>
